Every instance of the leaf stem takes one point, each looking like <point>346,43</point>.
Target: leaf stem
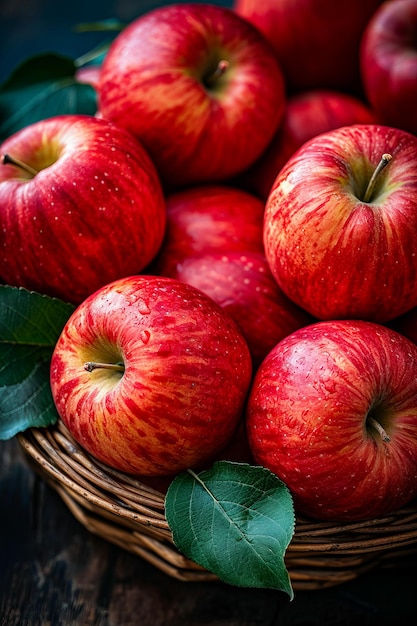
<point>198,479</point>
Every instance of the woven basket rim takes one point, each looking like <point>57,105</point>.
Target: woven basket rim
<point>129,512</point>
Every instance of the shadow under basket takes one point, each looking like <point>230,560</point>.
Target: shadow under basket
<point>129,513</point>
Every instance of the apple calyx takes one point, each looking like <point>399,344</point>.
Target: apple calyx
<point>6,159</point>
<point>379,428</point>
<point>92,365</point>
<point>220,69</point>
<point>385,159</point>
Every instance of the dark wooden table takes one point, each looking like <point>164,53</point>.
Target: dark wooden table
<point>53,572</point>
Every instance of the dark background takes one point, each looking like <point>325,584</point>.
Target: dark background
<point>29,27</point>
<point>52,571</point>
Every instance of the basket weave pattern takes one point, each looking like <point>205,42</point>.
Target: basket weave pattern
<point>130,514</point>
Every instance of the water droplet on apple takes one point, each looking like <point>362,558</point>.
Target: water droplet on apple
<point>134,299</point>
<point>143,307</point>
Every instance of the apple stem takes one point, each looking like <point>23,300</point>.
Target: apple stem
<point>91,365</point>
<point>6,159</point>
<point>381,431</point>
<point>222,66</point>
<point>385,159</point>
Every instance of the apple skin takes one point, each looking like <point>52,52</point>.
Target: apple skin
<point>331,253</point>
<point>237,450</point>
<point>156,81</point>
<point>242,284</point>
<point>89,74</point>
<point>308,419</point>
<point>389,63</point>
<point>94,212</point>
<point>316,41</point>
<point>213,241</point>
<point>307,114</point>
<point>209,218</point>
<point>187,371</point>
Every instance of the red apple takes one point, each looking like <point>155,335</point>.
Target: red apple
<point>333,412</point>
<point>214,242</point>
<point>89,74</point>
<point>150,375</point>
<point>200,86</point>
<point>84,207</point>
<point>316,41</point>
<point>338,246</point>
<point>307,115</point>
<point>389,63</point>
<point>209,218</point>
<point>237,450</point>
<point>242,284</point>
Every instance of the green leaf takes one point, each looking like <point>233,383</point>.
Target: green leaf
<point>17,362</point>
<point>43,86</point>
<point>30,324</point>
<point>110,24</point>
<point>28,404</point>
<point>38,69</point>
<point>30,318</point>
<point>235,520</point>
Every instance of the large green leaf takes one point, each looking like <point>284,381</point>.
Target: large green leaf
<point>236,520</point>
<point>30,324</point>
<point>17,362</point>
<point>30,318</point>
<point>43,86</point>
<point>28,404</point>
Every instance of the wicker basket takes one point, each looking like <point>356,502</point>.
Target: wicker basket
<point>130,514</point>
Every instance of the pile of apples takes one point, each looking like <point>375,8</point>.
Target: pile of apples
<point>237,228</point>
